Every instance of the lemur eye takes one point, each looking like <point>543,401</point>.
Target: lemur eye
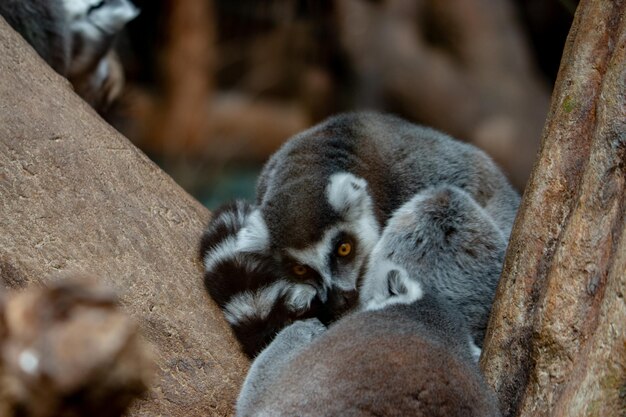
<point>344,249</point>
<point>299,270</point>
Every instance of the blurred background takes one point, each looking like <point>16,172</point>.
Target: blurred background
<point>213,87</point>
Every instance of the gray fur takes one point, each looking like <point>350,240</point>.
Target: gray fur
<point>402,360</point>
<point>75,37</point>
<point>274,360</point>
<point>44,25</point>
<point>94,25</point>
<point>389,160</point>
<point>447,243</point>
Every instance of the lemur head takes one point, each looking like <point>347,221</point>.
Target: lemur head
<point>445,241</point>
<point>319,242</point>
<point>255,296</point>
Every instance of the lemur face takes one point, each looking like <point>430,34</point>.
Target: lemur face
<point>330,266</point>
<point>256,300</point>
<point>256,296</point>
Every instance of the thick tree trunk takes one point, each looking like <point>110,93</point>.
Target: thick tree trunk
<point>556,344</point>
<point>76,195</point>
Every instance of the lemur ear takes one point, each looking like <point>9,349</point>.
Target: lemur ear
<point>400,285</point>
<point>347,195</point>
<point>255,236</point>
<point>395,284</point>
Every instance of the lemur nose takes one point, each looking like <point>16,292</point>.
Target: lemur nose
<point>343,300</point>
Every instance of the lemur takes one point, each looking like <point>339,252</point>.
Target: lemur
<point>402,360</point>
<point>324,196</point>
<point>446,241</point>
<point>257,300</point>
<point>75,38</point>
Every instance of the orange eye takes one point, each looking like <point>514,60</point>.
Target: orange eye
<point>299,269</point>
<point>344,249</point>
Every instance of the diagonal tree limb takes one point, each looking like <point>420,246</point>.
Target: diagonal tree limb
<point>76,195</point>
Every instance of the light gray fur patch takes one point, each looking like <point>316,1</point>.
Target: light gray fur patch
<point>474,350</point>
<point>226,250</point>
<point>90,20</point>
<point>392,286</point>
<point>299,297</point>
<point>254,304</point>
<point>347,195</point>
<point>255,236</point>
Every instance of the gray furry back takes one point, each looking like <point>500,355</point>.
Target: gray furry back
<point>404,360</point>
<point>444,241</point>
<point>395,157</point>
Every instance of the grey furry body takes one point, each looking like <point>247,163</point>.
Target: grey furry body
<point>396,158</point>
<point>406,359</point>
<point>340,182</point>
<point>447,243</point>
<point>348,176</point>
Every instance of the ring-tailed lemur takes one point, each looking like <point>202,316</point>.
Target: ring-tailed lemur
<point>257,300</point>
<point>443,239</point>
<point>75,38</point>
<point>405,359</point>
<point>95,70</point>
<point>310,182</point>
<point>325,194</point>
<point>426,295</point>
<point>44,25</point>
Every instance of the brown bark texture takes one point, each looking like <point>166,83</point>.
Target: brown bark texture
<point>556,343</point>
<point>77,195</point>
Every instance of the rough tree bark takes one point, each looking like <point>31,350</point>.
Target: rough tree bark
<point>76,195</point>
<point>556,344</point>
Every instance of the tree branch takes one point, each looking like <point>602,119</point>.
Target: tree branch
<point>76,195</point>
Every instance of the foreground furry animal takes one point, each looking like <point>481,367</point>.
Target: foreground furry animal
<point>403,360</point>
